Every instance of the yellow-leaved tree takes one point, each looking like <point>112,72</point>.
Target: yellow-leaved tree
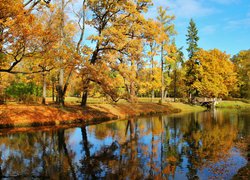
<point>120,30</point>
<point>167,30</point>
<point>215,74</point>
<point>242,63</point>
<point>21,34</point>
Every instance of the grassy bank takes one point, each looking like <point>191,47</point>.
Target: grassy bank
<point>232,104</point>
<point>98,110</point>
<point>185,108</point>
<point>14,115</point>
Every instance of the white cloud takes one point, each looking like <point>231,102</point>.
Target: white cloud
<point>225,1</point>
<point>240,23</point>
<point>186,8</point>
<point>209,29</point>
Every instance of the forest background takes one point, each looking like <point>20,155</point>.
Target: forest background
<point>44,52</point>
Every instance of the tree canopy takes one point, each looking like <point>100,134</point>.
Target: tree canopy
<point>123,55</point>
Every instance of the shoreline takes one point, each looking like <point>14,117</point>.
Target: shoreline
<point>20,115</point>
<point>23,115</point>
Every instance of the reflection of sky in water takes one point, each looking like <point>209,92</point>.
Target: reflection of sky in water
<point>222,169</point>
<point>75,142</point>
<point>153,143</point>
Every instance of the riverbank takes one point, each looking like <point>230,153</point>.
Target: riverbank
<point>19,115</point>
<point>232,104</point>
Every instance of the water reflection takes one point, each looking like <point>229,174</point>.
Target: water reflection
<point>191,146</point>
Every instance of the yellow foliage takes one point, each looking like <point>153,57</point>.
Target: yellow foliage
<point>215,75</point>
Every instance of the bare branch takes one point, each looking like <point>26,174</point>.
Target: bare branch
<point>33,5</point>
<point>83,25</point>
<point>21,72</point>
<point>27,3</point>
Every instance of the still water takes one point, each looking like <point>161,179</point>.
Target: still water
<point>187,146</point>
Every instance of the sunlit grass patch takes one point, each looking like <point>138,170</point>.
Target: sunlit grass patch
<point>232,104</point>
<point>187,107</point>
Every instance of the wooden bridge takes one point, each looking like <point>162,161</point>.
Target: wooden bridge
<point>202,101</point>
<point>207,102</point>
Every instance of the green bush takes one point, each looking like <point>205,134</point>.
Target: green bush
<point>25,92</point>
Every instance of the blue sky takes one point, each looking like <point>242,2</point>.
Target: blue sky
<point>222,24</point>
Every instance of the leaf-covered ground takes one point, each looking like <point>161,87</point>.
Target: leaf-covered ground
<point>36,115</point>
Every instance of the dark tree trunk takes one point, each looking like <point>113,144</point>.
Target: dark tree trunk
<point>62,146</point>
<point>84,98</point>
<point>85,93</point>
<point>60,96</point>
<point>44,90</point>
<point>175,86</point>
<point>53,91</point>
<point>85,141</point>
<point>1,174</point>
<point>86,83</point>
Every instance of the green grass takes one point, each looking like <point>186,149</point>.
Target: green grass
<point>187,107</point>
<point>91,100</point>
<point>76,100</point>
<point>178,105</point>
<point>232,104</point>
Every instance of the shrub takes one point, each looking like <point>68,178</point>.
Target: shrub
<point>23,92</point>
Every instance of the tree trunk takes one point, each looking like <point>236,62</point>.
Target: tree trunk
<point>62,146</point>
<point>1,91</point>
<point>1,174</point>
<point>61,71</point>
<point>85,141</point>
<point>190,97</point>
<point>152,95</point>
<point>132,93</point>
<point>152,71</point>
<point>44,89</point>
<point>53,91</point>
<point>85,93</point>
<point>165,94</point>
<point>162,74</point>
<point>175,81</point>
<point>132,90</point>
<point>60,88</point>
<point>84,98</point>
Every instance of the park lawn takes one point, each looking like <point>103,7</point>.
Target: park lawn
<point>232,104</point>
<point>185,108</point>
<point>101,100</point>
<point>77,100</point>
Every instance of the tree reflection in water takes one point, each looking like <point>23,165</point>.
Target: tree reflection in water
<point>166,147</point>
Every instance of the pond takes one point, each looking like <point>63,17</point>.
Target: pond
<point>183,146</point>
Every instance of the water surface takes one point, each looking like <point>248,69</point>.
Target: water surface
<point>189,146</point>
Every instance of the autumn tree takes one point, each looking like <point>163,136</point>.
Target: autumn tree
<point>67,50</point>
<point>151,81</point>
<point>176,57</point>
<point>21,35</point>
<point>216,76</point>
<point>167,30</point>
<point>242,63</point>
<point>118,45</point>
